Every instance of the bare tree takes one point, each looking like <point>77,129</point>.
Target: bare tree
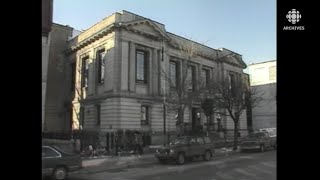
<point>235,97</point>
<point>182,87</point>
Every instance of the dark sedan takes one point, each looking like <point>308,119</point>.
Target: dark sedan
<point>57,163</point>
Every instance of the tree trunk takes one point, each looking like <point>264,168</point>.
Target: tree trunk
<point>208,129</point>
<point>179,125</point>
<point>235,135</point>
<point>181,121</point>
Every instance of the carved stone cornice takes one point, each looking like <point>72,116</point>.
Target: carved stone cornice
<point>94,37</point>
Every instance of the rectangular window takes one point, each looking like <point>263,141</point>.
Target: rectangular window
<point>85,72</point>
<point>48,152</point>
<point>73,76</point>
<point>71,116</point>
<point>81,116</point>
<point>144,115</point>
<point>232,84</point>
<point>98,108</point>
<point>190,78</point>
<point>173,73</point>
<point>101,63</point>
<point>205,74</point>
<point>141,67</point>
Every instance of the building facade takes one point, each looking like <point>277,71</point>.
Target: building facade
<point>263,77</point>
<point>117,66</point>
<point>47,7</point>
<point>263,73</point>
<point>58,92</point>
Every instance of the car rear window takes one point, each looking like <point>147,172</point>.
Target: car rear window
<point>200,140</point>
<point>207,140</point>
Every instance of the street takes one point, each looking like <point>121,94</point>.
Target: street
<point>237,166</point>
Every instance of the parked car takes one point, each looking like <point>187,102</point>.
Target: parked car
<point>186,147</point>
<point>57,163</point>
<point>259,140</point>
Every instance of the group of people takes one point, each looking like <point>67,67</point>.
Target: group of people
<point>137,147</point>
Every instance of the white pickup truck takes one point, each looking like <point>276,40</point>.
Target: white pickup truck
<point>272,131</point>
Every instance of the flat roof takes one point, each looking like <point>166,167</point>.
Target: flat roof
<point>262,62</point>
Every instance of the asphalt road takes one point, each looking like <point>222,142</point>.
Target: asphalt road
<point>238,166</point>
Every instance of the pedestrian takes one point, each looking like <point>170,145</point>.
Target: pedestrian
<point>90,150</point>
<point>138,143</point>
<point>225,134</point>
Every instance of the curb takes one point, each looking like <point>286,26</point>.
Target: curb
<point>137,161</point>
<point>126,164</point>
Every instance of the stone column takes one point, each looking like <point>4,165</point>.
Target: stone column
<point>117,61</point>
<point>132,67</point>
<point>150,72</point>
<point>159,78</point>
<point>199,80</point>
<point>155,72</point>
<point>124,65</point>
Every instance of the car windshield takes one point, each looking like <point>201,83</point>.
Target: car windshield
<point>257,135</point>
<point>179,141</point>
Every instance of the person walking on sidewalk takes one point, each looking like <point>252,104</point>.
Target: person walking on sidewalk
<point>225,134</point>
<point>138,143</point>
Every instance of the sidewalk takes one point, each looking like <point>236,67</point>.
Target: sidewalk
<point>117,162</point>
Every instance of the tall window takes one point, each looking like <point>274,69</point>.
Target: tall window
<point>73,76</point>
<point>190,78</point>
<point>81,116</point>
<point>101,63</point>
<point>205,76</point>
<point>85,72</point>
<point>98,108</point>
<point>144,115</point>
<point>141,67</point>
<point>232,83</point>
<point>174,73</point>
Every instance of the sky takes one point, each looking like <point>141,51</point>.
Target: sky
<point>247,27</point>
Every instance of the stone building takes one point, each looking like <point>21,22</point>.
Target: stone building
<point>117,83</point>
<point>263,76</point>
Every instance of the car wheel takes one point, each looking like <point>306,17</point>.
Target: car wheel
<point>181,158</point>
<point>207,156</point>
<point>60,173</point>
<point>262,148</point>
